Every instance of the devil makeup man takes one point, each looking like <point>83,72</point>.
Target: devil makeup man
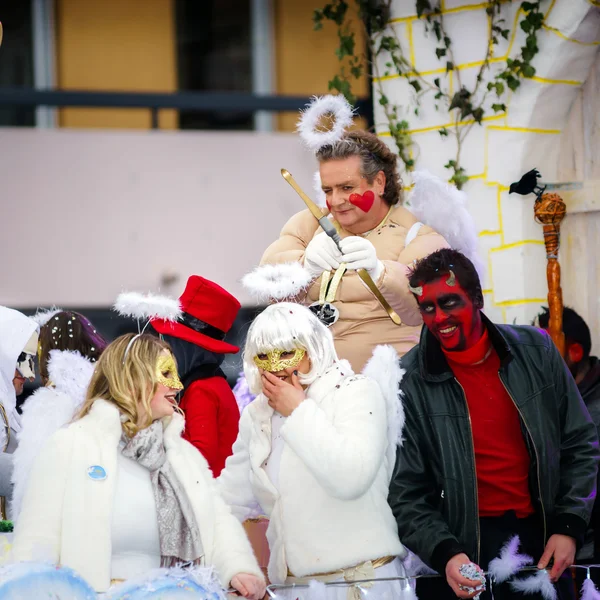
<point>497,442</point>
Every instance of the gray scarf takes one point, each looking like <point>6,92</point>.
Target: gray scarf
<point>178,531</point>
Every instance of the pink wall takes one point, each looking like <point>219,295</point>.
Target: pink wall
<point>89,214</point>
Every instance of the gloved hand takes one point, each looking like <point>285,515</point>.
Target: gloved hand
<point>321,254</point>
<point>359,253</point>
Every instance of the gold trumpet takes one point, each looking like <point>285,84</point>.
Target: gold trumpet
<point>331,231</point>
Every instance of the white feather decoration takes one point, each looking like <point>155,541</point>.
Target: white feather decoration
<point>384,368</point>
<point>589,591</point>
<point>444,208</point>
<point>509,562</point>
<point>538,583</point>
<point>283,281</point>
<point>43,315</point>
<point>320,198</point>
<point>308,125</point>
<point>147,306</point>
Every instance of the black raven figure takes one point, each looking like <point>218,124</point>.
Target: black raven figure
<point>528,184</point>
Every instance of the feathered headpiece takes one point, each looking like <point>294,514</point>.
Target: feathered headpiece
<point>43,315</point>
<point>145,307</point>
<point>276,283</point>
<point>314,136</point>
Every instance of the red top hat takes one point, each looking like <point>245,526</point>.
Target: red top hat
<point>208,314</point>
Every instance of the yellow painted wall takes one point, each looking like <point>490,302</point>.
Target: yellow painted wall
<point>116,45</point>
<point>305,59</point>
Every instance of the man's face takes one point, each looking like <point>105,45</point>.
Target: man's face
<point>342,178</point>
<point>450,314</point>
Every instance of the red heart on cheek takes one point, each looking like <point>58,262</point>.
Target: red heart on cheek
<point>364,202</point>
<point>328,205</point>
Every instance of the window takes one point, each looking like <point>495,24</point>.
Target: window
<point>214,53</point>
<point>16,58</point>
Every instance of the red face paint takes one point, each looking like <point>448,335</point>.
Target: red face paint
<point>450,315</point>
<point>328,205</point>
<point>363,201</point>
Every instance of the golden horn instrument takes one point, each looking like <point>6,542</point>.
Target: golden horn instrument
<point>331,231</point>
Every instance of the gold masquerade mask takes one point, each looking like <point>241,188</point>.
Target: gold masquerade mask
<point>278,360</point>
<point>166,372</point>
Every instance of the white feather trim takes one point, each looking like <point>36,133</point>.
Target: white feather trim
<point>43,315</point>
<point>308,125</point>
<point>46,411</point>
<point>538,583</point>
<point>70,373</point>
<point>384,368</point>
<point>320,198</point>
<point>509,562</point>
<point>444,208</point>
<point>147,306</point>
<point>589,591</point>
<point>283,281</point>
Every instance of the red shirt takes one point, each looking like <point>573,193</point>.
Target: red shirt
<point>211,420</point>
<point>501,458</point>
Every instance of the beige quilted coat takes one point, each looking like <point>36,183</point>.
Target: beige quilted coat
<point>363,323</point>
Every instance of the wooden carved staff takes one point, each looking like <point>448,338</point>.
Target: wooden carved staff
<point>549,211</point>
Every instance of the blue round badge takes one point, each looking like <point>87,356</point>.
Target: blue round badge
<point>96,472</point>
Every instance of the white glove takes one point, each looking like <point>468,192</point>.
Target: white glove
<point>321,255</point>
<point>359,253</point>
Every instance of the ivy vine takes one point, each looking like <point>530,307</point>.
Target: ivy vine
<point>467,106</point>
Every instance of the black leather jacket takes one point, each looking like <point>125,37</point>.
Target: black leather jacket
<point>433,493</point>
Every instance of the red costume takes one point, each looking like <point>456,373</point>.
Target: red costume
<point>211,411</point>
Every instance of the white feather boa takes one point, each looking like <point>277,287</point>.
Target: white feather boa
<point>46,411</point>
<point>276,283</point>
<point>444,208</point>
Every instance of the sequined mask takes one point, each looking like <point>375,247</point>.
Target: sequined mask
<point>25,364</point>
<point>273,363</point>
<point>166,372</point>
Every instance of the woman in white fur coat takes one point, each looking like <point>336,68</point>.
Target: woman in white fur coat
<point>314,452</point>
<point>119,493</point>
<point>69,345</point>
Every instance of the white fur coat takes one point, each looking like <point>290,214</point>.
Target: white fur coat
<point>331,508</point>
<point>66,515</point>
<point>46,411</point>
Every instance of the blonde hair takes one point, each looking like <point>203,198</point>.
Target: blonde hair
<point>129,382</point>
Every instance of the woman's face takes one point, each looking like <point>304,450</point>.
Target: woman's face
<point>164,400</point>
<point>282,364</point>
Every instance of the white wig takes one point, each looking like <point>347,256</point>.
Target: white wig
<point>286,326</point>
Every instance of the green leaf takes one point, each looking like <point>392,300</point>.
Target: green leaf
<point>346,47</point>
<point>499,107</point>
<point>437,29</point>
<point>450,164</point>
<point>436,82</point>
<point>357,71</point>
<point>477,114</point>
<point>439,52</point>
<point>449,66</point>
<point>525,25</point>
<point>383,100</point>
<point>459,99</point>
<point>447,41</point>
<point>416,85</point>
<point>499,88</point>
<point>528,71</point>
<point>513,83</point>
<point>443,132</point>
<point>422,6</point>
<point>505,33</point>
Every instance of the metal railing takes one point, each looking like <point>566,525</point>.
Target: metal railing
<point>231,102</point>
